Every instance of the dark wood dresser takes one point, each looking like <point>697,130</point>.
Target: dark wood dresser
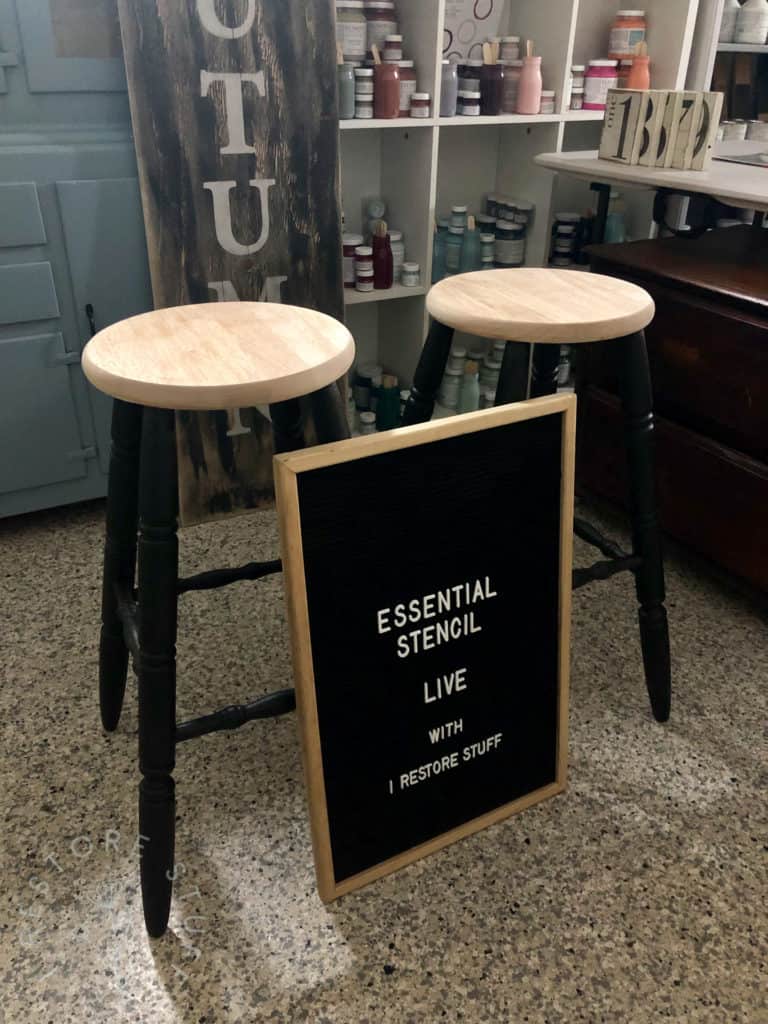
<point>708,349</point>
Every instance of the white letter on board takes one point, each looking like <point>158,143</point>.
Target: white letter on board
<point>222,215</point>
<point>233,104</point>
<point>206,10</point>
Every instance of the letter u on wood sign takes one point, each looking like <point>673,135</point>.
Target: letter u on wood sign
<point>234,115</point>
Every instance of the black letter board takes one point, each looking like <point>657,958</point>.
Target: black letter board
<point>428,578</point>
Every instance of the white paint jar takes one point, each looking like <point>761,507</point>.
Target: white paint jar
<point>757,131</point>
<point>547,102</point>
<point>364,107</point>
<point>367,422</point>
<point>728,24</point>
<point>752,23</point>
<point>364,281</point>
<point>398,254</point>
<point>734,131</point>
<point>451,388</point>
<point>411,275</point>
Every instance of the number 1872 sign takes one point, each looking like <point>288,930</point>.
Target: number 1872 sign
<point>428,575</point>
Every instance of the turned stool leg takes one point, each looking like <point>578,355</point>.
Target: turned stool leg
<point>429,375</point>
<point>514,373</point>
<point>637,400</point>
<point>544,370</point>
<point>158,575</point>
<point>329,414</point>
<point>119,556</point>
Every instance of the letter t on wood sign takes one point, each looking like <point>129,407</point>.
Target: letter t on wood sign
<point>233,105</point>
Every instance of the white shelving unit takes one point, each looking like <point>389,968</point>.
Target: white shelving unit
<point>422,167</point>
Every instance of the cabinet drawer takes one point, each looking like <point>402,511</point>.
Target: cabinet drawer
<point>38,425</point>
<point>21,222</point>
<point>27,292</point>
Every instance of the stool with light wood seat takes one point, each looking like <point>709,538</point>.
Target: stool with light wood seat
<point>541,310</point>
<point>204,357</point>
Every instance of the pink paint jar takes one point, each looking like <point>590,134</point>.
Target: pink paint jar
<point>601,76</point>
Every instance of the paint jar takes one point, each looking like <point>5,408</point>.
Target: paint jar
<point>487,248</point>
<point>346,91</point>
<point>453,246</point>
<point>407,86</point>
<point>449,89</point>
<point>351,29</point>
<point>491,206</point>
<point>577,76</point>
<point>458,217</point>
<point>529,90</point>
<point>364,281</point>
<point>469,75</point>
<point>510,48</point>
<point>469,103</point>
<point>547,101</point>
<point>420,104</point>
<point>577,99</point>
<point>601,76</point>
<point>367,422</point>
<point>734,131</point>
<point>640,74</point>
<point>393,49</point>
<point>485,223</point>
<point>364,82</point>
<point>381,21</point>
<point>411,275</point>
<point>752,23</point>
<point>388,408</point>
<point>363,259</point>
<point>398,254</point>
<point>728,23</point>
<point>524,211</point>
<point>622,77</point>
<point>491,89</point>
<point>469,396</point>
<point>510,244</point>
<point>757,131</point>
<point>364,107</point>
<point>386,90</point>
<point>490,372</point>
<point>383,263</point>
<point>350,242</point>
<point>512,71</point>
<point>629,28</point>
<point>451,388</point>
<point>505,210</point>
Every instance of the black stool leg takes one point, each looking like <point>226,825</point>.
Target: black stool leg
<point>514,373</point>
<point>429,375</point>
<point>119,556</point>
<point>545,368</point>
<point>329,415</point>
<point>158,574</point>
<point>287,426</point>
<point>637,400</point>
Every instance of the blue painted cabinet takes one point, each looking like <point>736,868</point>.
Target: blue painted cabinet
<point>71,235</point>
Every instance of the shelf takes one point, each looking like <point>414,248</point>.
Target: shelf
<point>386,122</point>
<point>398,291</point>
<point>463,120</point>
<point>583,115</point>
<point>742,48</point>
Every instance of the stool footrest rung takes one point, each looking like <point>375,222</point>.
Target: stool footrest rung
<point>127,612</point>
<point>274,704</point>
<point>592,536</point>
<point>223,577</point>
<point>604,570</point>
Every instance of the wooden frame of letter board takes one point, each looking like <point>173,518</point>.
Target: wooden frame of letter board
<point>287,469</point>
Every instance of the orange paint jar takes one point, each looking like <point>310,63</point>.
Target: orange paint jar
<point>629,28</point>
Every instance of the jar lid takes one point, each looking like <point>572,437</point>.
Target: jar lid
<point>379,4</point>
<point>450,372</point>
<point>487,238</point>
<point>630,14</point>
<point>524,205</point>
<point>420,96</point>
<point>405,394</point>
<point>495,39</point>
<point>487,259</point>
<point>577,92</point>
<point>458,209</point>
<point>443,222</point>
<point>493,364</point>
<point>566,229</point>
<point>395,236</point>
<point>465,95</point>
<point>507,225</point>
<point>578,67</point>
<point>473,63</point>
<point>362,97</point>
<point>410,268</point>
<point>364,250</point>
<point>405,63</point>
<point>477,355</point>
<point>352,239</point>
<point>549,93</point>
<point>367,417</point>
<point>510,39</point>
<point>568,218</point>
<point>603,63</point>
<point>512,63</point>
<point>627,61</point>
<point>455,231</point>
<point>393,39</point>
<point>364,273</point>
<point>458,352</point>
<point>364,72</point>
<point>349,3</point>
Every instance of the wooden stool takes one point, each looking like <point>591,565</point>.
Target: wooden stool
<point>205,357</point>
<point>546,309</point>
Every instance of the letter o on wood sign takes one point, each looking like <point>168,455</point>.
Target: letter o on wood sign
<point>233,104</point>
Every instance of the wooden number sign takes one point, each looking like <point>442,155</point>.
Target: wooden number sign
<point>428,576</point>
<point>233,105</point>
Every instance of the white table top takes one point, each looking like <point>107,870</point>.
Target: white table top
<point>742,185</point>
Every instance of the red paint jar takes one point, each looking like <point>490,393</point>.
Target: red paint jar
<point>386,90</point>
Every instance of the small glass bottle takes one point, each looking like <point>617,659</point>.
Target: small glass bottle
<point>449,90</point>
<point>346,92</point>
<point>398,254</point>
<point>454,243</point>
<point>529,90</point>
<point>469,396</point>
<point>491,89</point>
<point>383,264</point>
<point>471,250</point>
<point>438,255</point>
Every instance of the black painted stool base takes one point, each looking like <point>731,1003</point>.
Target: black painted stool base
<point>142,521</point>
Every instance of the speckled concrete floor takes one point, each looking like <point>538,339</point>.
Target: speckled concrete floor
<point>639,895</point>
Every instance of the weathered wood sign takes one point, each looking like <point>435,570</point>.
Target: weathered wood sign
<point>428,576</point>
<point>233,105</point>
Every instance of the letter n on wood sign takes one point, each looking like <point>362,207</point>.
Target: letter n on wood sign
<point>233,105</point>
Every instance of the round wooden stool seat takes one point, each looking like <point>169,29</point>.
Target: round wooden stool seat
<point>219,355</point>
<point>561,307</point>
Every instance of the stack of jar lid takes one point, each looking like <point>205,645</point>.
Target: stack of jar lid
<point>736,130</point>
<point>565,232</point>
<point>377,398</point>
